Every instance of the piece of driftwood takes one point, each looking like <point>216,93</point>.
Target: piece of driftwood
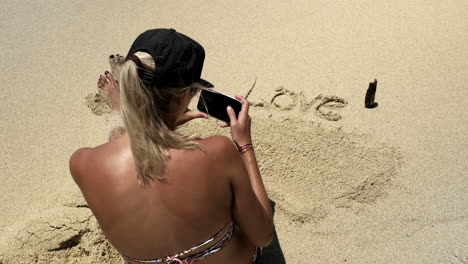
<point>369,102</point>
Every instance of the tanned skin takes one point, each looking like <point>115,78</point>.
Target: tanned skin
<point>200,193</point>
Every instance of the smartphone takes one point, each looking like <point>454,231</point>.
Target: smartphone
<point>215,104</point>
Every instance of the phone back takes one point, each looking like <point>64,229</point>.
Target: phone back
<point>215,104</point>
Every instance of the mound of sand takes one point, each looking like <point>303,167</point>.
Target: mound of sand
<point>67,234</point>
<point>309,168</point>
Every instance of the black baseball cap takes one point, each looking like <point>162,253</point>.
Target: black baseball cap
<point>178,58</point>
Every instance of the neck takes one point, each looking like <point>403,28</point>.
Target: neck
<point>170,122</point>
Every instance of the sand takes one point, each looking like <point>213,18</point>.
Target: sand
<point>351,184</point>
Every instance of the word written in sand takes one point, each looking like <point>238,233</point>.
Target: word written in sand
<point>325,107</point>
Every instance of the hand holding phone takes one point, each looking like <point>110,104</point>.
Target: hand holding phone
<point>240,127</point>
<point>233,111</point>
<point>215,103</point>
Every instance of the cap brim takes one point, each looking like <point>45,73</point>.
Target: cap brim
<point>206,83</point>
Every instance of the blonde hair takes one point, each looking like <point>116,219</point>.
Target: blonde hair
<point>145,114</point>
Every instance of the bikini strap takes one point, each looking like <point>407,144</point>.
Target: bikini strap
<point>229,227</point>
<point>212,249</point>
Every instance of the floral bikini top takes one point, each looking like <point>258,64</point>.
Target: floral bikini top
<point>176,259</point>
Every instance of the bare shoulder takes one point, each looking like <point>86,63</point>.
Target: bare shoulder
<point>77,163</point>
<point>219,145</point>
<point>223,152</point>
<point>82,160</point>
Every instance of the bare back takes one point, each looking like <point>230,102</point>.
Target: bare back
<point>193,202</point>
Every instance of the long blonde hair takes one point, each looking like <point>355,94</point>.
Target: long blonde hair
<point>145,110</point>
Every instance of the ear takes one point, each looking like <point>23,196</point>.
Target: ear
<point>183,96</point>
<point>187,93</point>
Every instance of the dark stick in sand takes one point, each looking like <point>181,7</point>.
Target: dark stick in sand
<point>369,102</point>
<point>251,88</point>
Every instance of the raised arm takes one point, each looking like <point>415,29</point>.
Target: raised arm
<point>252,207</point>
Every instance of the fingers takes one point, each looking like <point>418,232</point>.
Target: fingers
<point>245,108</point>
<point>189,115</point>
<point>223,125</point>
<point>197,114</point>
<point>232,116</point>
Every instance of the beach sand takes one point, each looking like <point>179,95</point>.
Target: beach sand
<point>350,184</point>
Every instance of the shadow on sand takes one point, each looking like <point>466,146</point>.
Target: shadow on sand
<point>273,253</point>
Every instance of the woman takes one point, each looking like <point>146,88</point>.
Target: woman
<point>160,196</point>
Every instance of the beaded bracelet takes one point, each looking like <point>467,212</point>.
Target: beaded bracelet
<point>245,148</point>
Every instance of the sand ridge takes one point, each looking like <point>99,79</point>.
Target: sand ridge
<point>67,234</point>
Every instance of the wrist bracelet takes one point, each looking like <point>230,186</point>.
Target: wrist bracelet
<point>245,148</point>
